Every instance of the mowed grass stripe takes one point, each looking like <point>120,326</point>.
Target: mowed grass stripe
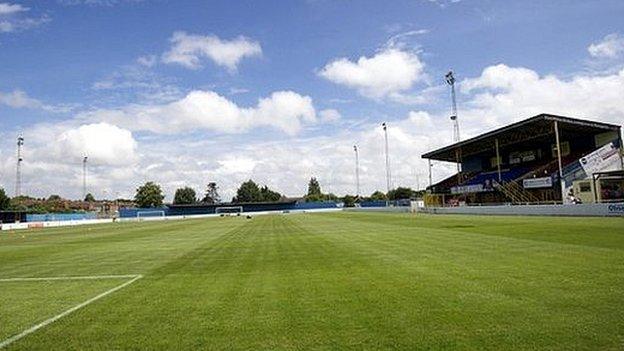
<point>27,303</point>
<point>356,282</point>
<point>551,277</point>
<point>238,287</point>
<point>481,247</point>
<point>589,231</point>
<point>471,241</point>
<point>465,251</point>
<point>132,248</point>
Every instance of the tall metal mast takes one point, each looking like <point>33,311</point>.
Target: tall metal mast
<point>357,171</point>
<point>450,80</point>
<point>388,174</point>
<point>18,170</point>
<point>84,178</point>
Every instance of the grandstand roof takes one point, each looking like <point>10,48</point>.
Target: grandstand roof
<point>531,128</point>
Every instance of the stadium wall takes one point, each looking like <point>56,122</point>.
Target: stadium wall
<point>50,224</point>
<point>315,205</point>
<point>133,212</point>
<point>50,217</point>
<point>592,210</point>
<point>374,203</point>
<point>614,210</point>
<point>247,207</point>
<point>401,209</point>
<point>12,217</point>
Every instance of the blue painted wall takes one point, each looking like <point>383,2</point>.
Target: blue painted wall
<point>197,210</point>
<point>48,217</point>
<point>132,212</point>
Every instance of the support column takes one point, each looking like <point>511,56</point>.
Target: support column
<point>594,189</point>
<point>458,166</point>
<point>561,182</point>
<point>498,160</point>
<point>621,149</point>
<point>430,182</point>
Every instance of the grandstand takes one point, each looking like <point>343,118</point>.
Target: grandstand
<point>542,159</point>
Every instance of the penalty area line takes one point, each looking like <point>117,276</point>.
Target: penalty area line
<point>87,277</point>
<point>51,320</point>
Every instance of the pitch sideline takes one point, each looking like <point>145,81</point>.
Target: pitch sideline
<point>133,278</point>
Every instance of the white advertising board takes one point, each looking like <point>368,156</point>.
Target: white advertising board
<point>603,159</point>
<point>462,189</point>
<point>534,183</point>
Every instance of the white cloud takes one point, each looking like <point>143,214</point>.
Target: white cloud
<point>330,115</point>
<point>443,3</point>
<point>9,9</point>
<point>498,96</point>
<point>286,165</point>
<point>236,91</point>
<point>189,49</point>
<point>503,94</point>
<point>421,119</point>
<point>13,18</point>
<point>19,24</point>
<point>103,143</point>
<point>390,71</point>
<point>399,40</point>
<point>611,46</point>
<point>19,99</point>
<point>236,165</point>
<point>136,82</point>
<point>283,110</point>
<point>53,155</point>
<point>96,2</point>
<point>147,60</point>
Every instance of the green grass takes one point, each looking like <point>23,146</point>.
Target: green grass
<point>23,303</point>
<point>348,281</point>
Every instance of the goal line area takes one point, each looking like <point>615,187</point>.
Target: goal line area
<point>150,214</point>
<point>129,279</point>
<point>228,209</point>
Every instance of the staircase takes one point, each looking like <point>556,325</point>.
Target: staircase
<point>515,192</point>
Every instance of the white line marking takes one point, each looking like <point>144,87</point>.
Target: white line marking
<point>89,277</point>
<point>33,329</point>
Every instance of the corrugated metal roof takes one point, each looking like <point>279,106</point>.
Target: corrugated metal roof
<point>535,126</point>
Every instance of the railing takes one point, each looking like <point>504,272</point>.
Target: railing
<point>515,192</point>
<point>539,171</point>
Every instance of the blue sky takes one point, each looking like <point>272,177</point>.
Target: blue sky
<point>187,92</point>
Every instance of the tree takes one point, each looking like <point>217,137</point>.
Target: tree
<point>89,198</point>
<point>247,192</point>
<point>5,201</point>
<point>314,188</point>
<point>330,197</point>
<point>269,195</point>
<point>212,195</point>
<point>349,201</point>
<point>184,196</point>
<point>315,194</point>
<point>149,195</point>
<point>54,198</point>
<point>378,196</point>
<point>400,193</point>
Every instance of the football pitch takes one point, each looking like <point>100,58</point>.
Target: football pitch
<point>339,281</point>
